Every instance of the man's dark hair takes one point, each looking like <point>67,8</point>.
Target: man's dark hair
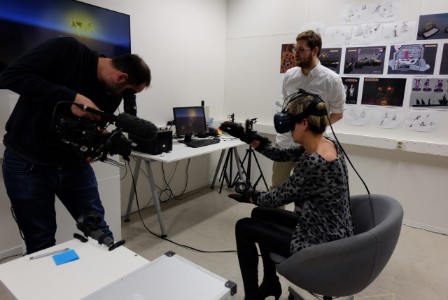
<point>312,38</point>
<point>133,65</point>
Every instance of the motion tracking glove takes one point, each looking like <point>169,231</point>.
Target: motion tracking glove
<point>238,131</point>
<point>234,130</point>
<point>249,196</point>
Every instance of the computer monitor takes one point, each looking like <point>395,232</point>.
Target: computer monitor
<point>189,120</point>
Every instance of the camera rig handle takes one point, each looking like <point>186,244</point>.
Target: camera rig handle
<point>89,225</point>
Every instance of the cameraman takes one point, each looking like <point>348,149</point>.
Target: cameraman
<point>37,166</point>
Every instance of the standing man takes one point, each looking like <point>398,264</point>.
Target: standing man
<point>36,165</point>
<point>312,77</point>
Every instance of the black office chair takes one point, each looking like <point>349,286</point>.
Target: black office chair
<point>345,267</point>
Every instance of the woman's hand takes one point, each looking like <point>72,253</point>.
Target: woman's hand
<point>249,196</point>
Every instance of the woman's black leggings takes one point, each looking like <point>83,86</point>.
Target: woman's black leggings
<point>271,229</point>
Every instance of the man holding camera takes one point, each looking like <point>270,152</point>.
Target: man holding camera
<point>37,166</point>
<point>312,77</point>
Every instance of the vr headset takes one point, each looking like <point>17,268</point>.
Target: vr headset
<point>285,121</point>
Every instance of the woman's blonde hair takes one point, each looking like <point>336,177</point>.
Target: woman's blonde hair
<point>299,104</point>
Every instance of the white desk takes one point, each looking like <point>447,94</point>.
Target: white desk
<point>95,269</point>
<point>179,152</point>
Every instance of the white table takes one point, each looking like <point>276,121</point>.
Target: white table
<point>95,269</point>
<point>169,276</point>
<point>100,274</point>
<point>180,151</point>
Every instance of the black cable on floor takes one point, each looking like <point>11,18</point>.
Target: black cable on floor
<point>165,238</point>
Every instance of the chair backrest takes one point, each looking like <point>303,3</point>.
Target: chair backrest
<point>347,266</point>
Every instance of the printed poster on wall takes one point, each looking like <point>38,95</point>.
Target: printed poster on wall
<point>429,93</point>
<point>399,32</point>
<point>351,86</point>
<point>412,59</point>
<point>422,120</point>
<point>433,26</point>
<point>378,116</point>
<point>331,58</point>
<point>364,60</point>
<point>287,60</point>
<point>383,91</point>
<point>370,11</point>
<point>444,62</point>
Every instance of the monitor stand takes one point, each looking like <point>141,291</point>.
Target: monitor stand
<point>187,137</point>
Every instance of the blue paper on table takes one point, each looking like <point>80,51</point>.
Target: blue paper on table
<point>65,257</point>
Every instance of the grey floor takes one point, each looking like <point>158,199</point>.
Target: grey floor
<point>418,268</point>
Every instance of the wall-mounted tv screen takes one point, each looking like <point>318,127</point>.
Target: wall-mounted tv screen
<point>26,23</point>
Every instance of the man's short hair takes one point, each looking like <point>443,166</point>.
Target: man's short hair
<point>133,65</point>
<point>312,38</point>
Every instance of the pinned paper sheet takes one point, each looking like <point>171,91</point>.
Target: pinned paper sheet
<point>65,257</point>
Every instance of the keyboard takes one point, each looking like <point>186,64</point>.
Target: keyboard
<point>196,143</point>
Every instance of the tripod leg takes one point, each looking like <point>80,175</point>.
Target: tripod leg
<point>224,176</point>
<point>250,151</point>
<point>217,169</point>
<point>261,173</point>
<point>241,170</point>
<point>246,171</point>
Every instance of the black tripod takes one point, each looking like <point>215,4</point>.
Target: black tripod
<point>239,182</point>
<point>228,163</point>
<point>250,152</point>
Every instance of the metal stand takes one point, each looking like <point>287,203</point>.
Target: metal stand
<point>155,196</point>
<point>243,171</point>
<point>250,152</point>
<point>229,164</point>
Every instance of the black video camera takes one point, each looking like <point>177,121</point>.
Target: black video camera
<point>90,140</point>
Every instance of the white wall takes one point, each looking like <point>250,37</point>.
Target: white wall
<point>415,175</point>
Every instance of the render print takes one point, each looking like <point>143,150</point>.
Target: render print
<point>444,62</point>
<point>433,27</point>
<point>412,59</point>
<point>383,91</point>
<point>364,60</point>
<point>331,58</point>
<point>351,85</point>
<point>429,93</point>
<point>287,58</point>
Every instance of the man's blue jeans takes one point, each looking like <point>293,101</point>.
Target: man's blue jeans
<point>32,189</point>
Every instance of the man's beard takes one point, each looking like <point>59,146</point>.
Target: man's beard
<point>305,63</point>
<point>113,89</point>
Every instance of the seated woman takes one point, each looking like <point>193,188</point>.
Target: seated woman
<point>318,186</point>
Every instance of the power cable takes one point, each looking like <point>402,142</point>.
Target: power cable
<point>165,238</point>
